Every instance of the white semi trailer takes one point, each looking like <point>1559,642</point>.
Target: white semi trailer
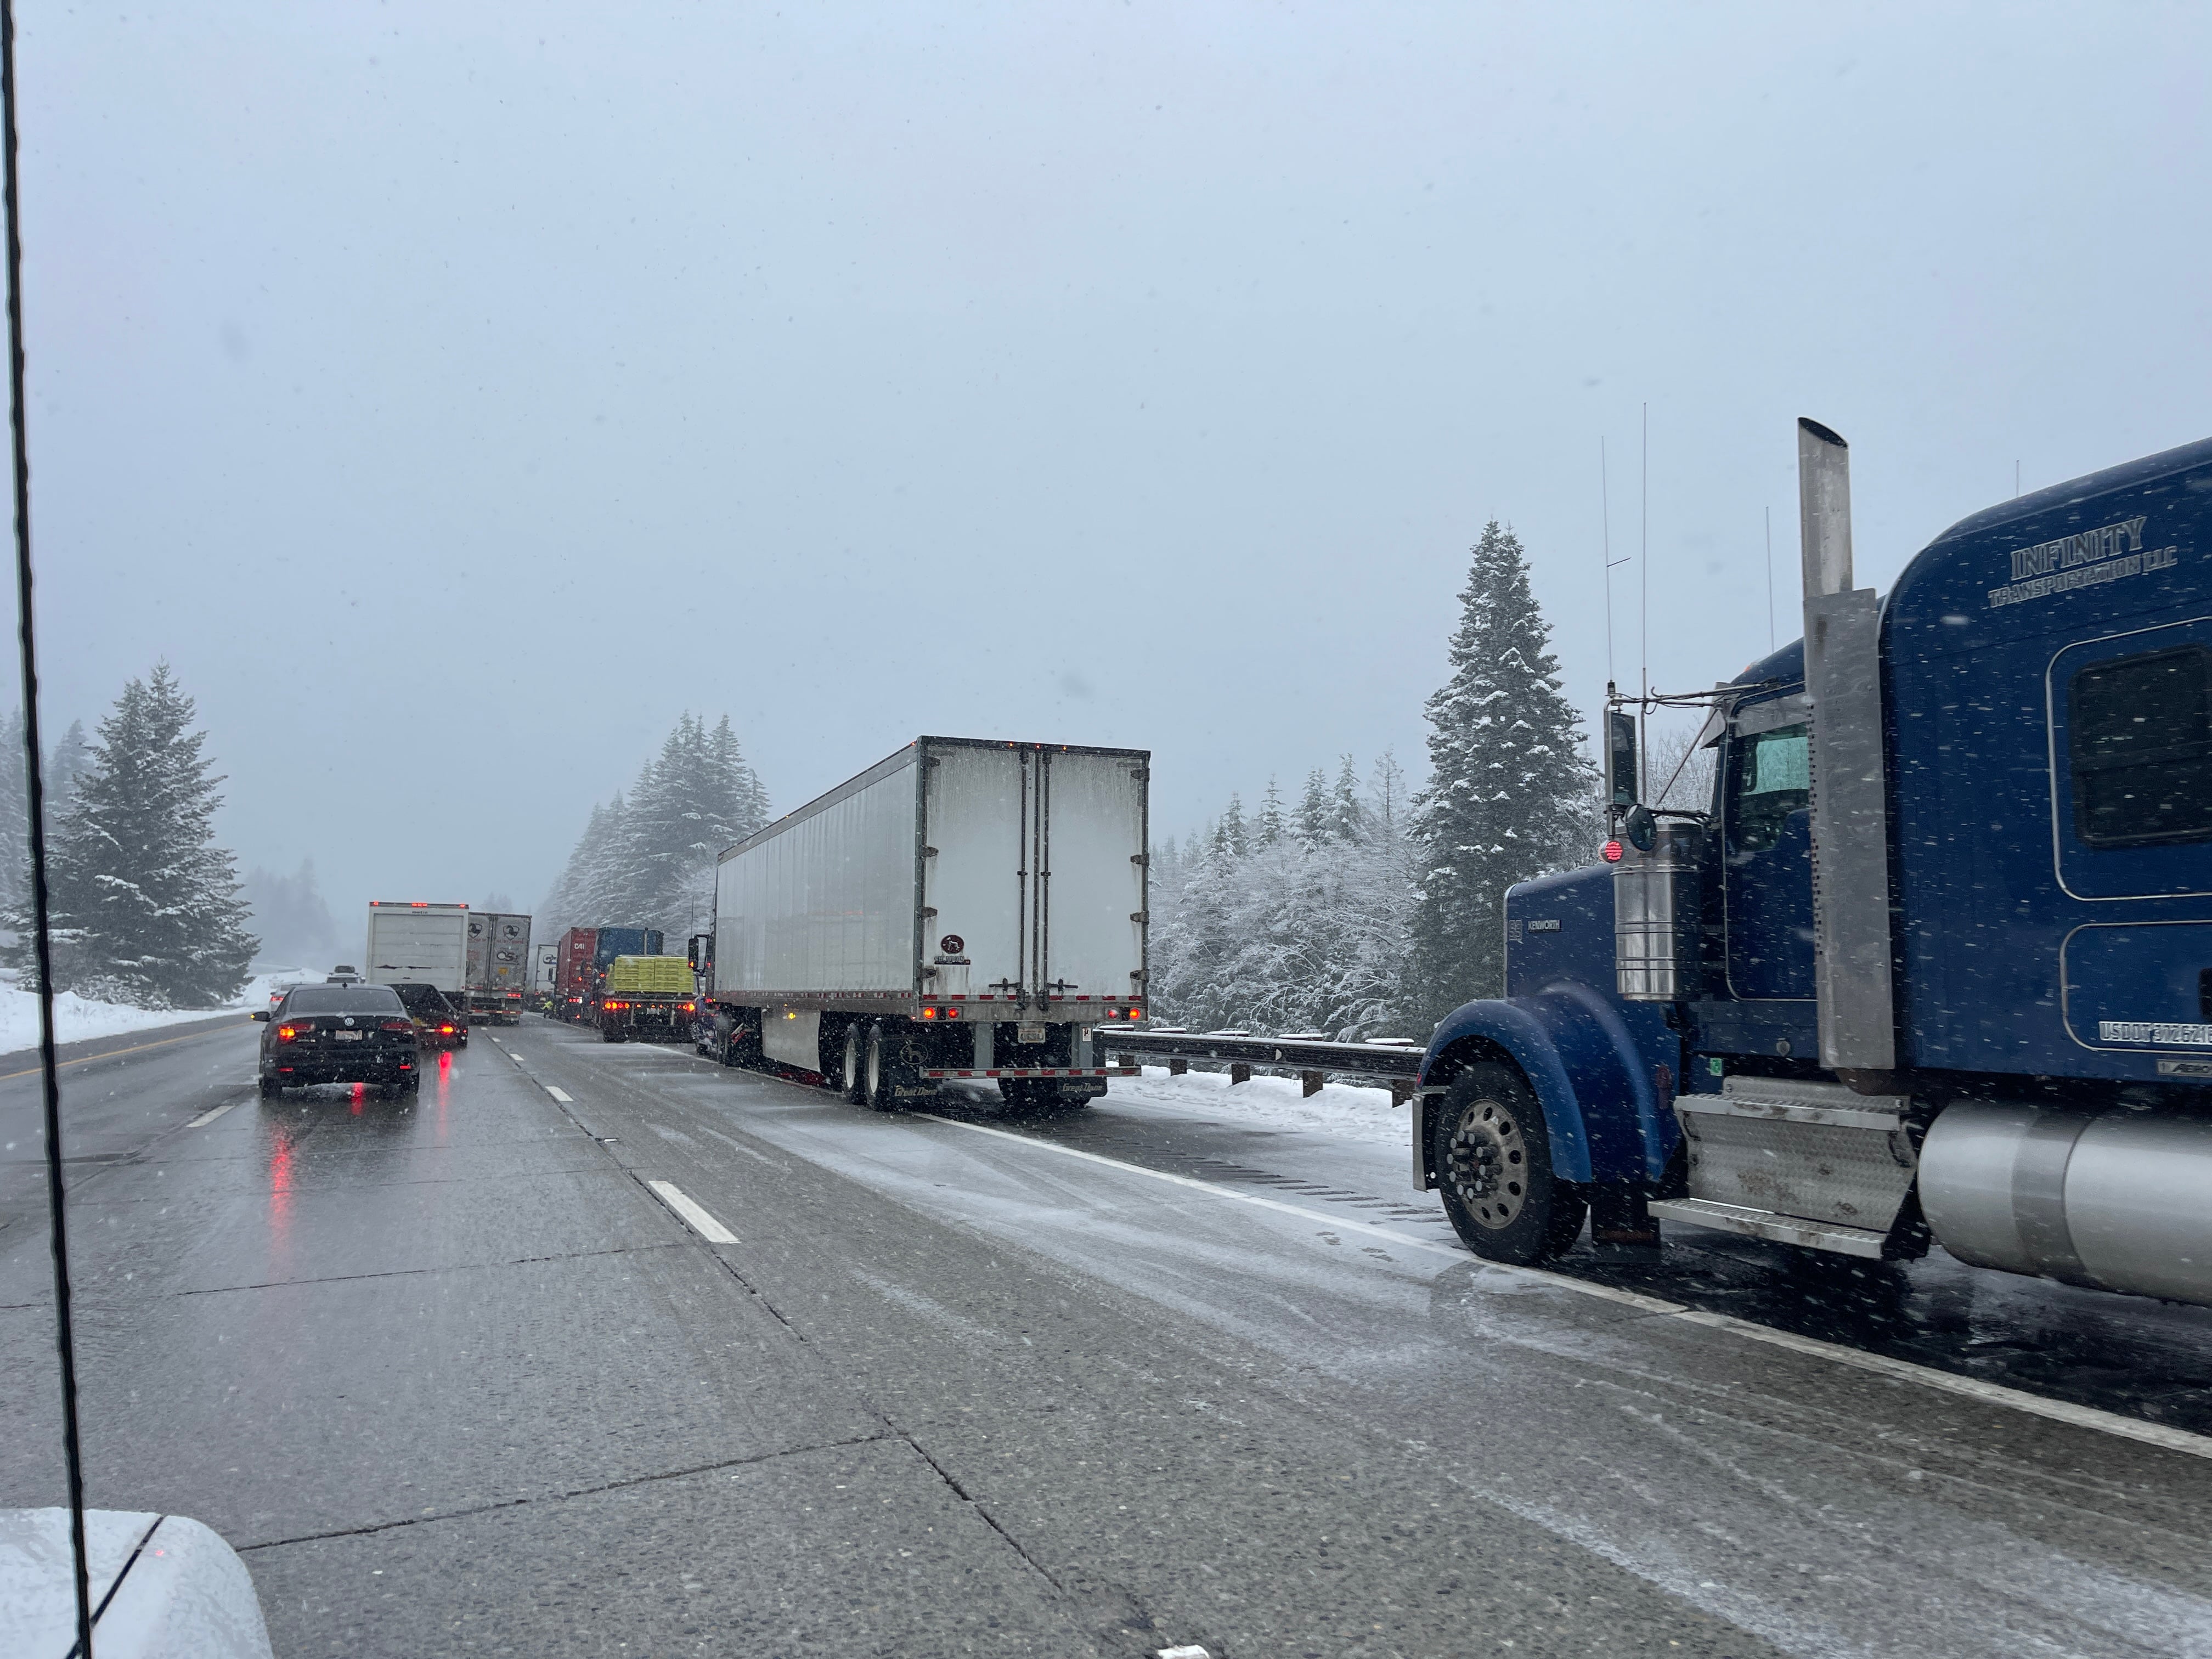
<point>964,909</point>
<point>413,942</point>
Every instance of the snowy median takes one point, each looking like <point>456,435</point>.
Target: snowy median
<point>1344,1109</point>
<point>78,1019</point>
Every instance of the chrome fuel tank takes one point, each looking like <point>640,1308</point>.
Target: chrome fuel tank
<point>2117,1201</point>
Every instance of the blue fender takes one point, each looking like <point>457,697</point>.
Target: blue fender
<point>1591,1073</point>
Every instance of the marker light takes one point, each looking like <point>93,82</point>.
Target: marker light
<point>929,1013</point>
<point>1611,851</point>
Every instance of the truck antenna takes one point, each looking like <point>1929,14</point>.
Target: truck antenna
<point>1770,580</point>
<point>1644,575</point>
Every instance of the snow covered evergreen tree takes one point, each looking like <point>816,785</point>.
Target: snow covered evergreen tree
<point>1306,932</point>
<point>648,860</point>
<point>1510,794</point>
<point>144,906</point>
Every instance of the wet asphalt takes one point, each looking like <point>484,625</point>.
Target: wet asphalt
<point>456,1378</point>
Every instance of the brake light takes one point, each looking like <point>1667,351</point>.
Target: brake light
<point>396,1025</point>
<point>929,1013</point>
<point>286,1033</point>
<point>445,1030</point>
<point>690,1007</point>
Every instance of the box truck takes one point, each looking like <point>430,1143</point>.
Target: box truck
<point>579,969</point>
<point>413,942</point>
<point>964,909</point>
<point>498,966</point>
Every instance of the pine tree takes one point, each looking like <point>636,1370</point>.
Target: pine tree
<point>144,906</point>
<point>1230,835</point>
<point>1347,818</point>
<point>72,755</point>
<point>15,818</point>
<point>1313,816</point>
<point>1268,829</point>
<point>648,860</point>
<point>1510,793</point>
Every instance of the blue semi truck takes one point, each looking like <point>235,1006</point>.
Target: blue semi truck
<point>1933,962</point>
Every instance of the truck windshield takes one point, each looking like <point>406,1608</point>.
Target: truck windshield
<point>1771,778</point>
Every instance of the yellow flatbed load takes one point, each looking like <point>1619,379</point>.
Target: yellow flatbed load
<point>648,976</point>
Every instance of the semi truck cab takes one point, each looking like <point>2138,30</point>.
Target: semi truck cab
<point>1935,962</point>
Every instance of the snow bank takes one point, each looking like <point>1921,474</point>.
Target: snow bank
<point>78,1018</point>
<point>1344,1109</point>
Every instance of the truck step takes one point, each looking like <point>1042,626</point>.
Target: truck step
<point>1832,1235</point>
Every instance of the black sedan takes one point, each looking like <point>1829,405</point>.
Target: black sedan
<point>339,1034</point>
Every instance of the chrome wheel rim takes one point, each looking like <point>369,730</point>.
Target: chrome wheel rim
<point>1487,1164</point>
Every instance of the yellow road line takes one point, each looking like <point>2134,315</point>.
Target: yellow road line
<point>135,1048</point>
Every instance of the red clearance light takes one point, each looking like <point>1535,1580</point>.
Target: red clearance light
<point>1611,851</point>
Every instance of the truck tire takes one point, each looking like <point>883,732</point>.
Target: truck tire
<point>880,1072</point>
<point>1494,1161</point>
<point>853,1079</point>
<point>609,1034</point>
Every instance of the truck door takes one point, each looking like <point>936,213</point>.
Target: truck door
<point>1767,850</point>
<point>2132,783</point>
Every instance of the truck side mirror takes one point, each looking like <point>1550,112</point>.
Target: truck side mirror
<point>1620,758</point>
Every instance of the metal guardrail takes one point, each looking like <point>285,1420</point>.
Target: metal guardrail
<point>1398,1065</point>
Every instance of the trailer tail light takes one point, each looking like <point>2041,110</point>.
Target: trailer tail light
<point>929,1013</point>
<point>689,1007</point>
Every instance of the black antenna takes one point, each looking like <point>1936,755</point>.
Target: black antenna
<point>35,801</point>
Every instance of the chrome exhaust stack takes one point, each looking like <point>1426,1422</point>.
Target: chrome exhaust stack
<point>1850,798</point>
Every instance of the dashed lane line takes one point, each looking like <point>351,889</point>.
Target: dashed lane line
<point>1991,1394</point>
<point>214,1112</point>
<point>699,1221</point>
<point>561,1095</point>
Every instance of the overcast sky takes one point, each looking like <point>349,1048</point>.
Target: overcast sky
<point>457,394</point>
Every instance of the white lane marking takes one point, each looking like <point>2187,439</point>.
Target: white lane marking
<point>214,1112</point>
<point>517,1059</point>
<point>701,1224</point>
<point>1991,1394</point>
<point>1190,1650</point>
<point>561,1095</point>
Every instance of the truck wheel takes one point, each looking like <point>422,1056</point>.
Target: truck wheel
<point>1494,1161</point>
<point>852,1083</point>
<point>270,1088</point>
<point>608,1033</point>
<point>879,1071</point>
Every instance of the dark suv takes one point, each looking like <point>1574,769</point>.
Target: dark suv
<point>339,1034</point>
<point>438,1024</point>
